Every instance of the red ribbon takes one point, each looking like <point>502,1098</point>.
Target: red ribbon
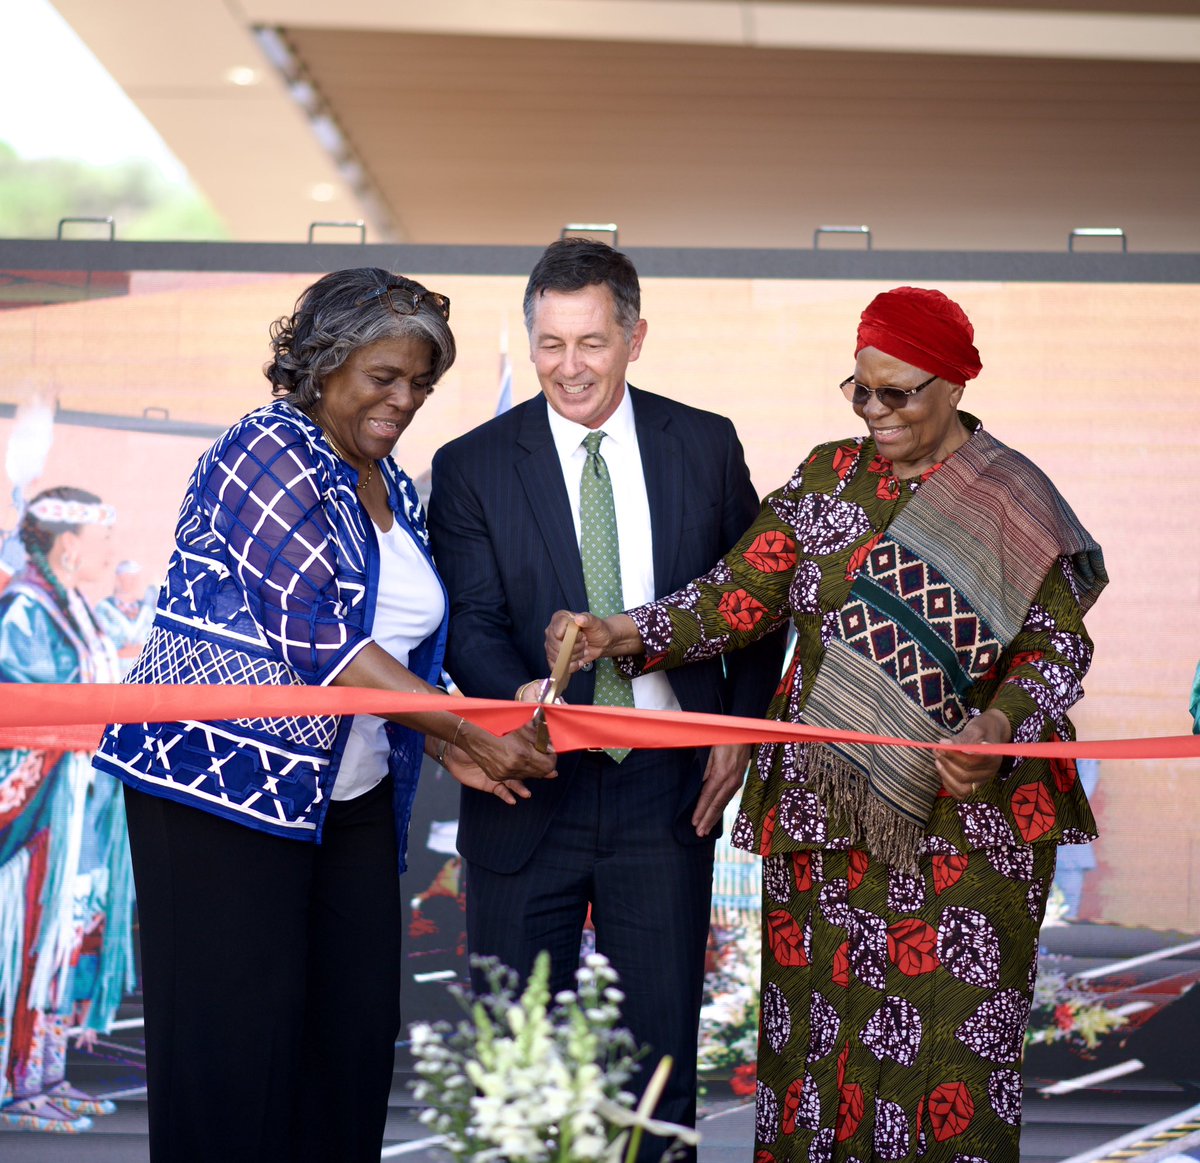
<point>72,716</point>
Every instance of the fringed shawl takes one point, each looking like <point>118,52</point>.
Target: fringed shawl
<point>939,596</point>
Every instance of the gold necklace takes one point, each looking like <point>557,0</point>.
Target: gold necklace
<point>366,480</point>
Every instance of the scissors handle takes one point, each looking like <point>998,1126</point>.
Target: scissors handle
<point>561,674</point>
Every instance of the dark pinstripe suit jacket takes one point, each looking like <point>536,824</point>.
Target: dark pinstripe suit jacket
<point>505,545</point>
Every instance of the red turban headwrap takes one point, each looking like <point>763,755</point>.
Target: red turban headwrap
<point>923,328</point>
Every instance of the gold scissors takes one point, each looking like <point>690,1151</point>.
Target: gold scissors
<point>553,687</point>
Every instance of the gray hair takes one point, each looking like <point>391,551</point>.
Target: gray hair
<point>340,313</point>
<point>571,264</point>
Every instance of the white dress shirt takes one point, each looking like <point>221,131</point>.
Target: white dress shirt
<point>651,692</point>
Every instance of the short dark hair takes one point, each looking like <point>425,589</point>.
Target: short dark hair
<point>337,315</point>
<point>571,264</point>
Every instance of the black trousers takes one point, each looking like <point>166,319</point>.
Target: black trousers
<point>611,846</point>
<point>271,982</point>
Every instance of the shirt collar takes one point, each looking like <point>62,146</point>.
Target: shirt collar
<point>619,427</point>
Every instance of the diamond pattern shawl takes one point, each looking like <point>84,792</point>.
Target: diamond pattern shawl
<point>929,614</point>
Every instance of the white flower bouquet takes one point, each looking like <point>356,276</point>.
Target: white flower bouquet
<point>525,1080</point>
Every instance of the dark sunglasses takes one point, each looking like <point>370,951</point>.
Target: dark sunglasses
<point>403,300</point>
<point>891,398</point>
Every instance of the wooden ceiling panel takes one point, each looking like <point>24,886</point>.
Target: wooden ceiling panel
<point>502,140</point>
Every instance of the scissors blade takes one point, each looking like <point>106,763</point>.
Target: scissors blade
<point>542,732</point>
<point>553,687</point>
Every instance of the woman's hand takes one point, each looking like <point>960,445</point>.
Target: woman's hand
<point>464,769</point>
<point>598,637</point>
<point>963,775</point>
<point>503,758</point>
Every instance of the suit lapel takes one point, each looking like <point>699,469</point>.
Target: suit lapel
<point>662,464</point>
<point>541,476</point>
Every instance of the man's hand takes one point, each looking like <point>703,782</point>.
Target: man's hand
<point>963,775</point>
<point>530,692</point>
<point>722,781</point>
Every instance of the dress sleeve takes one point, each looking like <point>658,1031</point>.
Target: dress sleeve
<point>752,674</point>
<point>1043,668</point>
<point>741,599</point>
<point>32,648</point>
<point>263,498</point>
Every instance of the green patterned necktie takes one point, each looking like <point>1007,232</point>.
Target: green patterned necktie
<point>601,553</point>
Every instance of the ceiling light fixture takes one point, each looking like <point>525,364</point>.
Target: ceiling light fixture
<point>305,93</point>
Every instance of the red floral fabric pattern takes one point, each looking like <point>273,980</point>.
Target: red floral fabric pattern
<point>771,552</point>
<point>912,947</point>
<point>893,1004</point>
<point>740,610</point>
<point>786,939</point>
<point>951,1109</point>
<point>920,1046</point>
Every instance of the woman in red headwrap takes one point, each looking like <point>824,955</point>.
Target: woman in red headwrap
<point>936,581</point>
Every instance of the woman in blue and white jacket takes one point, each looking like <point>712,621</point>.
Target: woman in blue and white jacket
<point>272,968</point>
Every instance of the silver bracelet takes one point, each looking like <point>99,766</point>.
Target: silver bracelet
<point>448,743</point>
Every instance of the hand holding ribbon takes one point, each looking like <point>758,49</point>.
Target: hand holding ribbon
<point>964,773</point>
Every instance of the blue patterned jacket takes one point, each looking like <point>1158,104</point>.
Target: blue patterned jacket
<point>273,580</point>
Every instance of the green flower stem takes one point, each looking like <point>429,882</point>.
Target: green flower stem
<point>653,1092</point>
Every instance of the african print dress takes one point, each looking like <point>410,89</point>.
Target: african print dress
<point>901,925</point>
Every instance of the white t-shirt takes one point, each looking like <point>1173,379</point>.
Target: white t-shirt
<point>409,606</point>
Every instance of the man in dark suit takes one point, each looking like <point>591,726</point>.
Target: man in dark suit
<point>630,836</point>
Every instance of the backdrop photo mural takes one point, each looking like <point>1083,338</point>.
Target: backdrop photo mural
<point>111,387</point>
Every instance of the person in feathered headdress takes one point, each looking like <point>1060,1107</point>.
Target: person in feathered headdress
<point>66,886</point>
